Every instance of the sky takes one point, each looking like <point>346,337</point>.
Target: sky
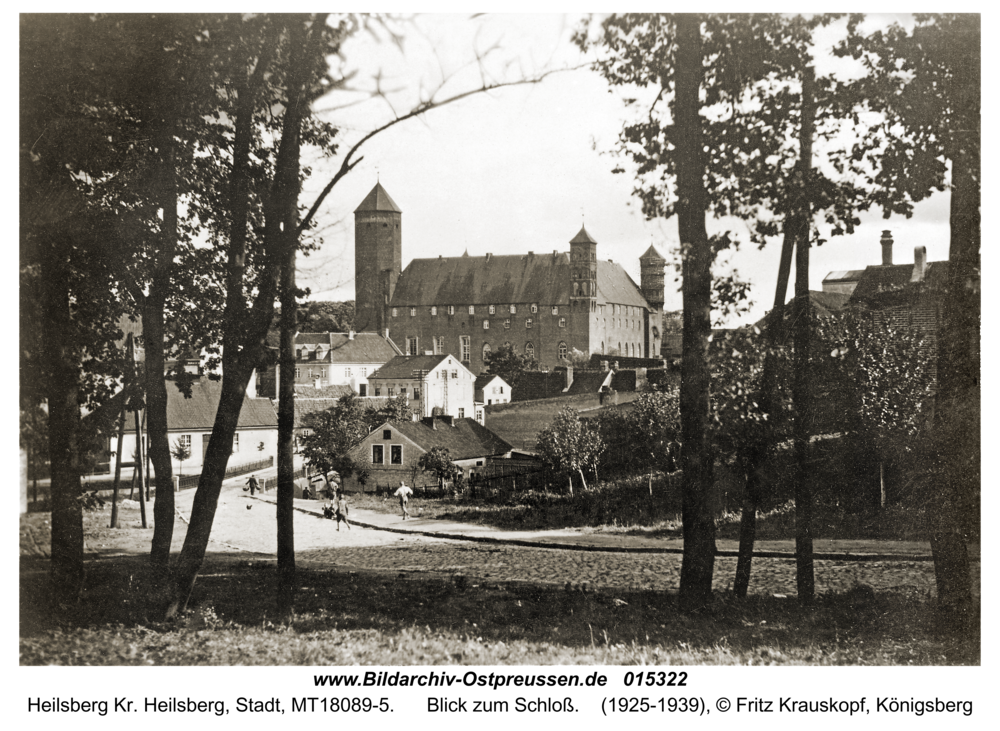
<point>521,169</point>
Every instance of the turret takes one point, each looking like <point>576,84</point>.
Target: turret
<point>583,265</point>
<point>378,258</point>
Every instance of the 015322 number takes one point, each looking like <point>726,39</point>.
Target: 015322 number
<point>656,678</point>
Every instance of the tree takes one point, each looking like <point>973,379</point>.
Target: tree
<point>510,365</point>
<point>180,452</point>
<point>332,434</point>
<point>568,446</point>
<point>438,461</point>
<point>926,85</point>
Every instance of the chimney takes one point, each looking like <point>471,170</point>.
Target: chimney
<point>919,263</point>
<point>886,242</point>
<point>350,335</point>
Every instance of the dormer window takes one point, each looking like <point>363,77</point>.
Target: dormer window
<point>555,310</point>
<point>486,324</point>
<point>513,309</point>
<point>434,311</point>
<point>451,309</point>
<point>472,309</point>
<point>395,312</point>
<point>493,309</point>
<point>413,312</point>
<point>534,309</point>
<point>528,323</point>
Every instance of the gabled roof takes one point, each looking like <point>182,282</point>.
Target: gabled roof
<point>403,366</point>
<point>378,200</point>
<point>878,281</point>
<point>342,348</point>
<point>304,390</point>
<point>589,381</point>
<point>485,379</point>
<point>463,438</point>
<point>543,279</point>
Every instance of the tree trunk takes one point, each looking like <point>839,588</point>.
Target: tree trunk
<point>954,502</point>
<point>63,364</point>
<point>697,454</point>
<point>140,462</point>
<point>583,480</point>
<point>802,395</point>
<point>118,459</point>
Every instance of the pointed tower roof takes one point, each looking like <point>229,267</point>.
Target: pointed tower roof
<point>652,253</point>
<point>583,237</point>
<point>378,200</point>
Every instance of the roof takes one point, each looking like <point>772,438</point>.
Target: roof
<point>877,281</point>
<point>403,366</point>
<point>342,348</point>
<point>377,200</point>
<point>848,275</point>
<point>589,381</point>
<point>465,440</point>
<point>306,406</point>
<point>304,390</point>
<point>198,412</point>
<point>652,253</point>
<point>582,237</point>
<point>493,280</point>
<point>485,379</point>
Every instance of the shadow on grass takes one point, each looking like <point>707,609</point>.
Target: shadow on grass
<point>376,618</point>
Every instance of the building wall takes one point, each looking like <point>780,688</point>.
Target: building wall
<point>249,441</point>
<point>455,395</point>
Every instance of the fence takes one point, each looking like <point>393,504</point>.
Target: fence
<point>188,481</point>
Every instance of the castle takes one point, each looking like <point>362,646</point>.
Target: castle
<point>544,305</point>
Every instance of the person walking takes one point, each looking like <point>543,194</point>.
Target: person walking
<point>342,511</point>
<point>403,493</point>
<point>252,482</point>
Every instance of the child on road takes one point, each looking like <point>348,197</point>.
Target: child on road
<point>341,513</point>
<point>403,493</point>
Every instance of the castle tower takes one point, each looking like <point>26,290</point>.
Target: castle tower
<point>651,278</point>
<point>378,259</point>
<point>583,264</point>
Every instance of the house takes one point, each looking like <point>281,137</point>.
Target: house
<point>190,422</point>
<point>492,389</point>
<point>334,359</point>
<point>433,384</point>
<point>391,452</point>
<point>544,305</point>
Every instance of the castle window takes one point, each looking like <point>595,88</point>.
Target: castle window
<point>411,346</point>
<point>493,309</point>
<point>413,312</point>
<point>451,309</point>
<point>555,309</point>
<point>466,348</point>
<point>513,309</point>
<point>506,324</point>
<point>529,350</point>
<point>486,351</point>
<point>534,309</point>
<point>528,323</point>
<point>472,309</point>
<point>434,311</point>
<point>486,324</point>
<point>562,322</point>
<point>395,312</point>
<point>563,351</point>
<point>438,345</point>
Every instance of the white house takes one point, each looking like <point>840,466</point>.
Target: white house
<point>433,384</point>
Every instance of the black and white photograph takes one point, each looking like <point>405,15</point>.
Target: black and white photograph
<point>674,365</point>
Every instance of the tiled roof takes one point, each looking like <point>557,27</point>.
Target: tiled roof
<point>582,237</point>
<point>306,406</point>
<point>849,275</point>
<point>378,200</point>
<point>542,279</point>
<point>465,440</point>
<point>881,280</point>
<point>341,348</point>
<point>483,380</point>
<point>652,253</point>
<point>403,366</point>
<point>304,390</point>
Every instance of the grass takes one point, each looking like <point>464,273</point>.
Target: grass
<point>519,422</point>
<point>349,618</point>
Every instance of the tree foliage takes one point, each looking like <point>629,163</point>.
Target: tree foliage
<point>438,461</point>
<point>569,445</point>
<point>510,365</point>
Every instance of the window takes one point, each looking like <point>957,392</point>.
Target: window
<point>364,372</point>
<point>479,415</point>
<point>528,323</point>
<point>466,348</point>
<point>438,345</point>
<point>501,389</point>
<point>416,393</point>
<point>493,309</point>
<point>451,309</point>
<point>395,312</point>
<point>529,350</point>
<point>513,309</point>
<point>378,391</point>
<point>347,372</point>
<point>390,391</point>
<point>454,375</point>
<point>506,324</point>
<point>387,433</point>
<point>411,346</point>
<point>298,373</point>
<point>472,309</point>
<point>396,454</point>
<point>322,372</point>
<point>434,311</point>
<point>236,443</point>
<point>562,322</point>
<point>185,441</point>
<point>461,413</point>
<point>486,324</point>
<point>413,312</point>
<point>555,309</point>
<point>486,351</point>
<point>534,309</point>
<point>563,351</point>
<point>378,454</point>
